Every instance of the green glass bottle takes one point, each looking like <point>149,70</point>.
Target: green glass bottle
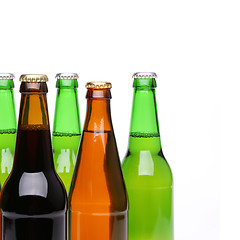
<point>8,125</point>
<point>146,172</point>
<point>66,127</point>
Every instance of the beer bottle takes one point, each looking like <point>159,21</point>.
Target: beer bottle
<point>34,200</point>
<point>97,197</point>
<point>66,127</point>
<point>146,172</point>
<point>8,125</point>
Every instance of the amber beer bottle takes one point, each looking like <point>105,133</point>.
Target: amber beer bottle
<point>98,201</point>
<point>34,200</point>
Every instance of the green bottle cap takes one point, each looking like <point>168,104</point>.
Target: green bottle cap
<point>67,76</point>
<point>67,80</point>
<point>144,80</point>
<point>144,75</point>
<point>6,81</point>
<point>6,76</point>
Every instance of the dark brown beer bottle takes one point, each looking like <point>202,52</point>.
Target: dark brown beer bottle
<point>98,201</point>
<point>33,200</point>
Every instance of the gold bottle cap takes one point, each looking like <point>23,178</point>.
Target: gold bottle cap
<point>33,78</point>
<point>98,85</point>
<point>144,75</point>
<point>67,76</point>
<point>6,76</point>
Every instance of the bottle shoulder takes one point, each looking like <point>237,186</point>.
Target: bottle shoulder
<point>145,166</point>
<point>97,178</point>
<point>33,193</point>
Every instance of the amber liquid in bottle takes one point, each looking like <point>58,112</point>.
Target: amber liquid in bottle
<point>33,200</point>
<point>98,201</point>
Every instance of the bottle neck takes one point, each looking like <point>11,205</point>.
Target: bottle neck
<point>98,117</point>
<point>8,122</point>
<point>33,146</point>
<point>144,130</point>
<point>67,119</point>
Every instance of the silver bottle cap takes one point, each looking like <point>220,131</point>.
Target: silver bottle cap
<point>6,76</point>
<point>67,76</point>
<point>144,75</point>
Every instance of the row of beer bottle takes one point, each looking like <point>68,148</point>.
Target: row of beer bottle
<point>97,199</point>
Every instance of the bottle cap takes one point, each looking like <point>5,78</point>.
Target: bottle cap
<point>67,76</point>
<point>144,75</point>
<point>33,78</point>
<point>98,85</point>
<point>6,76</point>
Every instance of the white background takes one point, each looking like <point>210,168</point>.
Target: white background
<point>193,46</point>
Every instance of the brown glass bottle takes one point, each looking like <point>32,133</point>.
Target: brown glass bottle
<point>98,201</point>
<point>33,200</point>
